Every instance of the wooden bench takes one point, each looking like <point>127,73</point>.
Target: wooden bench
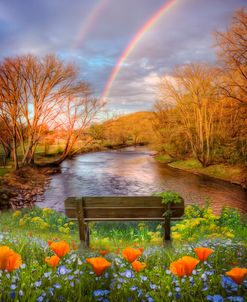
<point>120,208</point>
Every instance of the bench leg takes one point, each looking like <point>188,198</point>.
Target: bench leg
<point>84,236</point>
<point>87,242</point>
<point>167,232</point>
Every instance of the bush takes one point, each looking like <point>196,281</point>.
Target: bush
<point>44,219</point>
<point>200,222</point>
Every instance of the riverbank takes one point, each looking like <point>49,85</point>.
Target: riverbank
<point>230,173</point>
<point>23,187</point>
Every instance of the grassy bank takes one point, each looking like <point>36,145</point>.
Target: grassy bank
<point>27,233</point>
<point>231,173</point>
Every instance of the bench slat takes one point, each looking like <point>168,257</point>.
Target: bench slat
<point>116,201</point>
<point>127,219</point>
<point>123,213</point>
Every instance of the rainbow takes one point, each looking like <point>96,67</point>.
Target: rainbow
<point>90,21</point>
<point>131,46</point>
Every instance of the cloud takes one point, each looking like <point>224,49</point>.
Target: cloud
<point>182,35</point>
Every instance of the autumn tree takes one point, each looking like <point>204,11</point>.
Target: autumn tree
<point>193,90</point>
<point>232,59</point>
<point>169,129</point>
<point>232,55</point>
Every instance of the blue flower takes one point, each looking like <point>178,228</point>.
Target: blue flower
<point>47,275</point>
<point>121,280</point>
<point>133,288</point>
<point>204,277</point>
<point>100,293</point>
<point>128,274</point>
<point>153,286</point>
<point>62,270</point>
<point>70,277</point>
<point>51,291</point>
<point>178,296</point>
<point>139,293</point>
<point>13,286</point>
<point>236,299</point>
<point>150,299</point>
<point>38,283</point>
<point>56,285</point>
<point>215,298</point>
<point>72,284</point>
<point>40,299</point>
<point>144,278</point>
<point>12,295</point>
<point>20,293</point>
<point>228,284</point>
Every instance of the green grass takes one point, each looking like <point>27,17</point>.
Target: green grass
<point>164,158</point>
<point>222,171</point>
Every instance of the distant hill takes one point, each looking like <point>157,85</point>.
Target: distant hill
<point>134,128</point>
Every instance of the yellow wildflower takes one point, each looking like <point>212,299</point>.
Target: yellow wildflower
<point>16,214</point>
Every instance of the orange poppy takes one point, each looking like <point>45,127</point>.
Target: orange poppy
<point>203,253</point>
<point>141,249</point>
<point>138,266</point>
<point>183,266</point>
<point>4,253</point>
<point>103,252</point>
<point>13,262</point>
<point>49,242</point>
<point>9,260</point>
<point>178,268</point>
<point>237,274</point>
<point>52,261</point>
<point>131,254</point>
<point>99,264</point>
<point>60,248</point>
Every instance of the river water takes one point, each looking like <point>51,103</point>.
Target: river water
<point>134,171</point>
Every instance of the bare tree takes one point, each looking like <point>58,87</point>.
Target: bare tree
<point>42,91</point>
<point>78,112</point>
<point>10,91</point>
<point>46,83</point>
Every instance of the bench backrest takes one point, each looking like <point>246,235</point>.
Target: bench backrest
<point>112,208</point>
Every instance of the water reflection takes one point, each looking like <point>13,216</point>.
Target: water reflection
<point>133,171</point>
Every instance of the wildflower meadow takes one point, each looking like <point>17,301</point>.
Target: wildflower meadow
<point>42,261</point>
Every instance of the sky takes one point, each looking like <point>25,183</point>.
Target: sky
<point>94,34</point>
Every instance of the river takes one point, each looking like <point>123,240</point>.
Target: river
<point>134,171</point>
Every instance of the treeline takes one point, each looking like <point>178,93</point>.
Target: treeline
<point>38,94</point>
<point>131,129</point>
<point>202,110</point>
